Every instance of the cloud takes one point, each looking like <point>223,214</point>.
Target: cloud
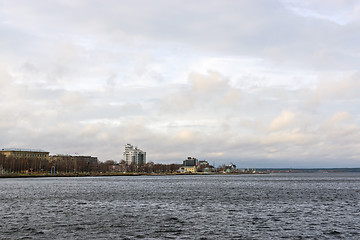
<point>341,128</point>
<point>184,135</point>
<point>282,121</point>
<point>339,117</point>
<point>204,93</point>
<point>335,88</point>
<point>262,81</point>
<point>338,11</point>
<point>264,29</point>
<point>72,99</point>
<point>207,84</point>
<point>292,137</point>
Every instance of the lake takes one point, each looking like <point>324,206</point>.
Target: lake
<point>273,206</point>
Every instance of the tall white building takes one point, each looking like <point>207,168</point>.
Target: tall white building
<point>134,155</point>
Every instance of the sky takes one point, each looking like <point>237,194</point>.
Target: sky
<point>260,83</point>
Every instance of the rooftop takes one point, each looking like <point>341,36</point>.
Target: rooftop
<point>23,150</point>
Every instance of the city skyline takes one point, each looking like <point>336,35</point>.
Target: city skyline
<point>257,83</point>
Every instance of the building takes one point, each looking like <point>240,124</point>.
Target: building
<point>2,163</point>
<point>24,160</point>
<point>69,163</point>
<point>133,155</point>
<point>190,165</point>
<point>2,157</point>
<point>22,153</point>
<point>204,163</point>
<point>230,168</point>
<point>117,167</point>
<point>190,161</point>
<point>204,166</point>
<point>188,169</point>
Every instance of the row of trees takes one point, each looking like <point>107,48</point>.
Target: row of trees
<point>70,164</point>
<point>11,164</point>
<point>67,164</point>
<point>149,167</point>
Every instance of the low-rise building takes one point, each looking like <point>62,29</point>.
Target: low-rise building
<point>230,168</point>
<point>69,163</point>
<point>204,163</point>
<point>117,167</point>
<point>204,166</point>
<point>24,160</point>
<point>2,163</point>
<point>23,153</point>
<point>188,169</point>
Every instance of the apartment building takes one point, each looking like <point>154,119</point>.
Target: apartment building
<point>134,155</point>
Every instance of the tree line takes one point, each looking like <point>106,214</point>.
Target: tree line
<point>13,165</point>
<point>70,164</point>
<point>149,167</point>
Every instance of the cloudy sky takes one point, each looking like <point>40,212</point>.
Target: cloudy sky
<point>260,83</point>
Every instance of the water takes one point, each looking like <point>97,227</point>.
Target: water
<point>275,206</point>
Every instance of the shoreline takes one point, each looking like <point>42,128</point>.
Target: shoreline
<point>112,174</point>
<point>36,175</point>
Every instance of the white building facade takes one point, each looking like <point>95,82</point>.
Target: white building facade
<point>133,155</point>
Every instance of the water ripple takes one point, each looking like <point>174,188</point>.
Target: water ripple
<point>296,206</point>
